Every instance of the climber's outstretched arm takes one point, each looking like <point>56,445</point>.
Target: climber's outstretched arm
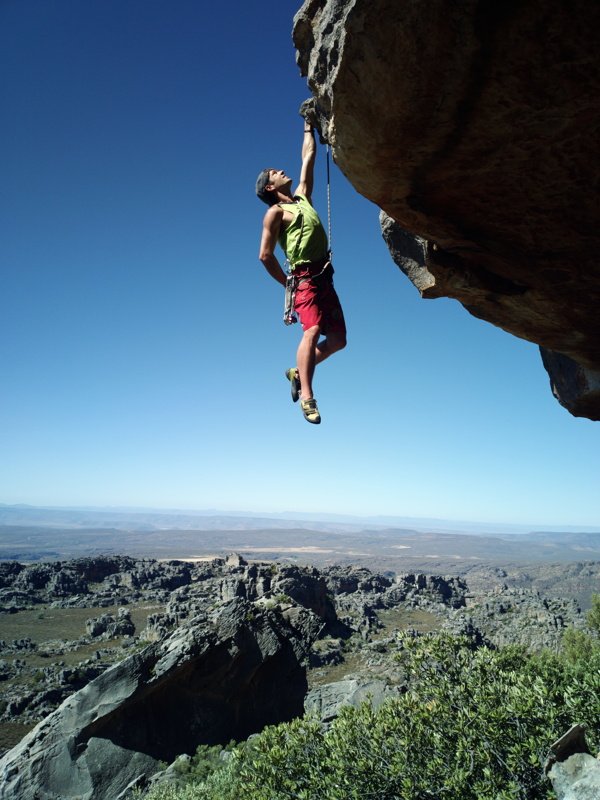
<point>309,152</point>
<point>271,227</point>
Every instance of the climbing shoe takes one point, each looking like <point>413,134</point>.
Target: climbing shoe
<point>292,376</point>
<point>310,411</point>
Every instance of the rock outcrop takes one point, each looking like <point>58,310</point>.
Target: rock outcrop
<point>217,677</point>
<point>326,701</point>
<point>574,772</point>
<point>517,616</point>
<point>474,126</point>
<point>357,608</point>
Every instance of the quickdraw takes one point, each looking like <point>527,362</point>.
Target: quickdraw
<point>289,312</point>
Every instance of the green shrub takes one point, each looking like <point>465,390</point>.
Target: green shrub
<point>473,725</point>
<point>206,760</point>
<point>577,645</point>
<point>593,615</point>
<point>220,782</point>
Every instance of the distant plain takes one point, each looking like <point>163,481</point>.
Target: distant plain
<point>549,559</point>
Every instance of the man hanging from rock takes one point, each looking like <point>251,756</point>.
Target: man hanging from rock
<point>292,222</point>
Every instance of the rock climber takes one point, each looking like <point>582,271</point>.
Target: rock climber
<point>292,222</point>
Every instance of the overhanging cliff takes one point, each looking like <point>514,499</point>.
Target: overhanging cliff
<point>474,126</point>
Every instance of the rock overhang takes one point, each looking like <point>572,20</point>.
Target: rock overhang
<point>474,127</point>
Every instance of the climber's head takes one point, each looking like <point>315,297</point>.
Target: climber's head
<point>268,184</point>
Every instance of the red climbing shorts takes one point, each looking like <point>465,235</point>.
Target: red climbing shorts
<point>317,302</point>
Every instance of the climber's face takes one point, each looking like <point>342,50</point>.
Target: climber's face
<point>278,179</point>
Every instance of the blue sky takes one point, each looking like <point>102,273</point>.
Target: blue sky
<point>142,346</point>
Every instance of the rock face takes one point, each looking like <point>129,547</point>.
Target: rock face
<point>225,657</point>
<point>516,616</point>
<point>474,126</point>
<point>574,772</point>
<point>326,701</point>
<point>215,678</point>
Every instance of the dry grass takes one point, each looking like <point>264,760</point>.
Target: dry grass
<point>11,734</point>
<point>354,661</point>
<point>46,624</point>
<point>400,619</point>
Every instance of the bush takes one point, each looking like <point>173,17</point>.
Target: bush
<point>283,598</point>
<point>473,725</point>
<point>206,760</point>
<point>593,615</point>
<point>577,645</point>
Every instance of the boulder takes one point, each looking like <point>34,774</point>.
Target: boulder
<point>111,626</point>
<point>474,126</point>
<point>217,677</point>
<point>306,586</point>
<point>326,701</point>
<point>574,772</point>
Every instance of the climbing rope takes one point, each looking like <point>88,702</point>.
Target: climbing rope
<point>328,202</point>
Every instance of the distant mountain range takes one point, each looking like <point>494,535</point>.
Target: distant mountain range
<point>212,519</point>
<point>31,533</point>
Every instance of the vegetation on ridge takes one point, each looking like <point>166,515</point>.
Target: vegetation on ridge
<point>474,724</point>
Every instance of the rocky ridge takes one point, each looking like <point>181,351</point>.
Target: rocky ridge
<point>474,127</point>
<point>224,674</point>
<point>353,604</point>
<point>228,650</point>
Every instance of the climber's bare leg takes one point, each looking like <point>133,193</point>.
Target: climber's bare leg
<point>307,359</point>
<point>312,352</point>
<point>333,341</point>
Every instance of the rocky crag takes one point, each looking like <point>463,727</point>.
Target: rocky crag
<point>474,127</point>
<point>219,676</point>
<point>573,770</point>
<point>226,654</point>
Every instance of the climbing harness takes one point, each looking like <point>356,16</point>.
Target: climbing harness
<point>292,280</point>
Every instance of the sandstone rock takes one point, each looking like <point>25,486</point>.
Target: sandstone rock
<point>575,387</point>
<point>111,626</point>
<point>306,586</point>
<point>211,680</point>
<point>516,616</point>
<point>8,572</point>
<point>577,778</point>
<point>575,774</point>
<point>347,580</point>
<point>65,583</point>
<point>97,568</point>
<point>235,560</point>
<point>326,652</point>
<point>35,577</point>
<point>232,586</point>
<point>326,701</point>
<point>474,127</point>
<point>151,574</point>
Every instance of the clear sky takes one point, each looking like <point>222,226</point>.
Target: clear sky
<point>142,347</point>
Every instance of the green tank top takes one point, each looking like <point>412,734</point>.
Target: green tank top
<point>304,240</point>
